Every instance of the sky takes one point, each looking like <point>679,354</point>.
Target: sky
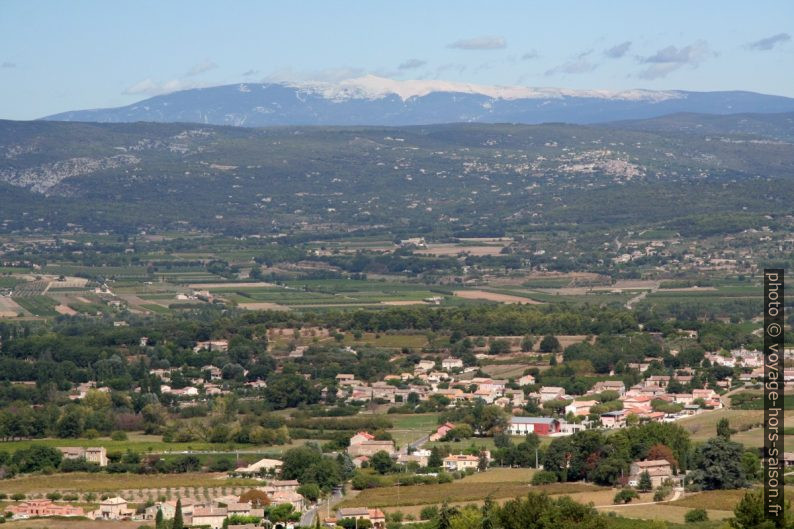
<point>57,55</point>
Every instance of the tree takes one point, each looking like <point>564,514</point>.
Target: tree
<point>724,429</point>
<point>488,514</point>
<point>482,462</point>
<point>751,464</point>
<point>549,344</point>
<point>645,483</point>
<point>382,463</point>
<point>435,461</point>
<point>660,451</point>
<point>527,343</point>
<point>158,520</point>
<point>310,491</point>
<point>749,513</point>
<point>718,465</point>
<point>178,521</point>
<point>257,498</point>
<point>445,514</point>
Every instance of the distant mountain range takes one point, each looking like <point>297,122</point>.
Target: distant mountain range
<point>377,101</point>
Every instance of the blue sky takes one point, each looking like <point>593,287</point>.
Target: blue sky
<point>66,55</point>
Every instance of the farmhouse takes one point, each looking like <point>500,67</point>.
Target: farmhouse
<point>261,466</point>
<point>538,425</point>
<point>658,469</point>
<point>95,454</point>
<point>220,346</point>
<point>209,516</point>
<point>441,431</point>
<point>43,508</point>
<point>452,363</point>
<point>548,393</point>
<point>460,462</point>
<point>526,380</point>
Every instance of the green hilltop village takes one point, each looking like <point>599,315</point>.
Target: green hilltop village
<point>462,326</point>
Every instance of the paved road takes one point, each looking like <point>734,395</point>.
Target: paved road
<point>307,519</point>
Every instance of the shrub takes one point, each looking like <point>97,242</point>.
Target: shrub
<point>544,477</point>
<point>428,513</point>
<point>662,493</point>
<point>625,496</point>
<point>696,515</point>
<point>118,435</point>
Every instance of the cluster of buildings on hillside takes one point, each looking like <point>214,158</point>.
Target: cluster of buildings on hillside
<point>637,400</point>
<point>212,514</point>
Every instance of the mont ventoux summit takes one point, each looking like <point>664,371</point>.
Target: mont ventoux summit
<point>372,100</point>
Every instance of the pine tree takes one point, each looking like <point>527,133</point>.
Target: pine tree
<point>645,483</point>
<point>434,461</point>
<point>178,522</point>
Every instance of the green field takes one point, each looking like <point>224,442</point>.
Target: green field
<point>38,305</point>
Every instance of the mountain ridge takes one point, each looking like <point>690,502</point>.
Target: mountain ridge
<point>373,101</point>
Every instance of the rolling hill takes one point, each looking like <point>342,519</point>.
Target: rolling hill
<point>460,178</point>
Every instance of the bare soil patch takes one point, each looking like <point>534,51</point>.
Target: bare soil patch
<point>491,296</point>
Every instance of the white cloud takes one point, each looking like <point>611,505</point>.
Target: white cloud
<point>579,64</point>
<point>249,73</point>
<point>671,58</point>
<point>485,42</point>
<point>7,64</point>
<point>769,42</point>
<point>618,50</point>
<point>200,68</point>
<point>531,54</point>
<point>412,64</point>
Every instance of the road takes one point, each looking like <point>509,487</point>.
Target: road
<point>307,519</point>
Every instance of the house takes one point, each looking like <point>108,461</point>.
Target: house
<point>95,454</point>
<point>361,437</point>
<point>424,366</point>
<point>370,448</point>
<point>283,485</point>
<point>609,385</point>
<point>657,380</point>
<point>526,380</point>
<point>212,517</point>
<point>613,419</point>
<point>220,346</point>
<point>659,470</point>
<point>268,466</point>
<point>548,393</point>
<point>460,462</point>
<point>441,431</point>
<point>374,516</point>
<point>42,508</point>
<point>420,457</point>
<point>580,408</point>
<point>538,425</point>
<point>451,363</point>
<point>345,379</point>
<point>291,497</point>
<point>169,509</point>
<point>113,509</point>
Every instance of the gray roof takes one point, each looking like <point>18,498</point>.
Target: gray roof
<point>533,420</point>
